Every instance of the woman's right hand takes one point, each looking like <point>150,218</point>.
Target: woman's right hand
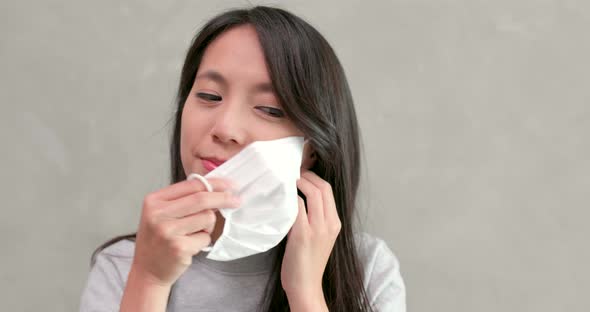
<point>176,223</point>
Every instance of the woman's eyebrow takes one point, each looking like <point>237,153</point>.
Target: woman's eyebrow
<point>214,76</point>
<point>264,87</point>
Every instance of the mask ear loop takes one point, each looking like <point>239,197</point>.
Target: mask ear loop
<point>207,185</point>
<point>203,180</point>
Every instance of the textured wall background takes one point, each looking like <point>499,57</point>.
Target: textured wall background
<point>475,119</point>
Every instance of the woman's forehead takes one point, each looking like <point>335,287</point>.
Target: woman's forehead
<point>234,55</point>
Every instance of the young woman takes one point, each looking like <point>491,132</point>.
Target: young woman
<point>253,75</point>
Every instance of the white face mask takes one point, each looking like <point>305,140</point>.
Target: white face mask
<point>265,175</point>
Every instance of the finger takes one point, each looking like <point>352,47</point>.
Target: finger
<point>325,188</point>
<point>197,241</point>
<point>301,220</point>
<point>313,196</point>
<point>188,187</point>
<point>195,203</point>
<point>202,221</point>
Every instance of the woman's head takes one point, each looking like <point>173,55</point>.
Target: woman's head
<point>232,103</point>
<point>263,74</point>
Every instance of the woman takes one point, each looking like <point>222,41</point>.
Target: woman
<point>253,75</point>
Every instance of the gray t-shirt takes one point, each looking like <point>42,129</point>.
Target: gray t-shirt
<point>238,285</point>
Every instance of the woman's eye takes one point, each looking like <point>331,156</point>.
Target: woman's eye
<point>209,97</point>
<point>272,111</point>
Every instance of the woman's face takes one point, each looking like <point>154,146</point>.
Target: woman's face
<point>231,104</point>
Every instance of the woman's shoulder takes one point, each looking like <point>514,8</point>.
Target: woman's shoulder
<point>123,248</point>
<point>381,270</point>
<point>114,261</point>
<point>107,277</point>
<point>369,246</point>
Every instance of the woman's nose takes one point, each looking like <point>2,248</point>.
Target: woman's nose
<point>227,126</point>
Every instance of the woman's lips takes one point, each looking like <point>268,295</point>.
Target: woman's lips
<point>210,164</point>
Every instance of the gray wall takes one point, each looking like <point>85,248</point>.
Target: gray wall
<point>475,119</point>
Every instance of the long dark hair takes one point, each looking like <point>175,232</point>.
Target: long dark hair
<point>312,88</point>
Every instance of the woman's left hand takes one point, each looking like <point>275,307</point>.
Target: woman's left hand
<point>309,244</point>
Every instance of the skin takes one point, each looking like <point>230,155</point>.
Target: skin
<point>223,113</point>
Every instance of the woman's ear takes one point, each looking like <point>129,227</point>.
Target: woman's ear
<point>309,157</point>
